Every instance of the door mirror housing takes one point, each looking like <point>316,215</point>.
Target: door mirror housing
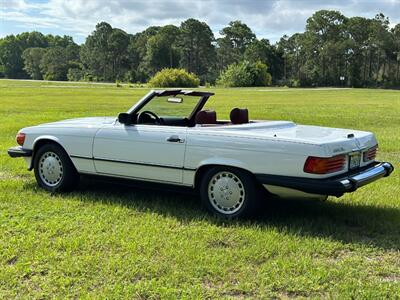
<point>125,118</point>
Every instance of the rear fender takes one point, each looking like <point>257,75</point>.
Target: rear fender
<point>217,161</point>
<point>223,162</point>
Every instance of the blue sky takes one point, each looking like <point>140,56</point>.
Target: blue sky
<point>268,18</point>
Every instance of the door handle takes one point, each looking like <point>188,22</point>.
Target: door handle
<point>175,139</point>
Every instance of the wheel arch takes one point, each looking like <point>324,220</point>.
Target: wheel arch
<point>43,140</point>
<point>203,168</point>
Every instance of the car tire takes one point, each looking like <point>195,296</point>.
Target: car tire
<point>54,170</point>
<point>229,192</point>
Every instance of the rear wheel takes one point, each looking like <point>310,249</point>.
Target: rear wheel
<point>229,192</point>
<point>54,170</point>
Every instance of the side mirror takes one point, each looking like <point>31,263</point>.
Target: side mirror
<point>125,118</point>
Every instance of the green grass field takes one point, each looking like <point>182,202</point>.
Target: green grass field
<point>116,241</point>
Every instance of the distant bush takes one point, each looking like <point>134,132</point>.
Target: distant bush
<point>75,74</point>
<point>261,75</point>
<point>89,78</point>
<point>245,74</point>
<point>236,75</point>
<point>174,78</point>
<point>295,83</point>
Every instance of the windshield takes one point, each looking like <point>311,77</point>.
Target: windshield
<point>172,108</point>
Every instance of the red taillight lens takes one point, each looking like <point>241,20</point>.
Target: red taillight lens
<point>324,165</point>
<point>20,138</point>
<point>370,154</point>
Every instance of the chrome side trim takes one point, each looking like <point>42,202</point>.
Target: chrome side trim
<point>132,162</point>
<point>101,174</point>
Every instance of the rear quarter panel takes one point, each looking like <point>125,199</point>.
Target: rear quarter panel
<point>264,156</point>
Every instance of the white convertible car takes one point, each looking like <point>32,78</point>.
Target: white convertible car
<point>167,137</point>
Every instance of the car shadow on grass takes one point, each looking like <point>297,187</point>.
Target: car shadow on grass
<point>346,222</point>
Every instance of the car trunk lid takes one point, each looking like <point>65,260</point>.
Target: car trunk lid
<point>335,141</point>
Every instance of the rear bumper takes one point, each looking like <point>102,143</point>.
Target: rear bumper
<point>333,186</point>
<point>19,152</point>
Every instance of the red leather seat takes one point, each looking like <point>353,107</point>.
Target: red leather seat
<point>239,116</point>
<point>206,117</point>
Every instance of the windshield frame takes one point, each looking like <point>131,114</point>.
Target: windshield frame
<point>204,96</point>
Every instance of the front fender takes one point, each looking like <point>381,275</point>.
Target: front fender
<point>37,141</point>
<point>46,137</point>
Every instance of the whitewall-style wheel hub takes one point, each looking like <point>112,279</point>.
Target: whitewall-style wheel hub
<point>50,169</point>
<point>226,192</point>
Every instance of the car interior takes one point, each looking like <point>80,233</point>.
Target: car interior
<point>163,110</point>
<point>209,117</point>
<point>203,118</point>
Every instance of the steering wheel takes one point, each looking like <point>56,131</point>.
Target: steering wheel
<point>142,115</point>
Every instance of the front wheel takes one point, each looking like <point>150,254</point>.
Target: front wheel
<point>54,170</point>
<point>229,192</point>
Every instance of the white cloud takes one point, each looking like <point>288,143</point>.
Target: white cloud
<point>21,17</point>
<point>269,19</point>
<point>14,4</point>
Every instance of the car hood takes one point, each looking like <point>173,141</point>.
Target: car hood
<point>84,122</point>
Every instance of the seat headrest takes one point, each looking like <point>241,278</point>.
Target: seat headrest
<point>239,116</point>
<point>206,117</point>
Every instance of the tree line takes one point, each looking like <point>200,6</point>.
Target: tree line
<point>334,50</point>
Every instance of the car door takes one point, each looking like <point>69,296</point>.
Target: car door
<point>151,152</point>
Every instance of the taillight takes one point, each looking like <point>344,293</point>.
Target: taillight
<point>324,165</point>
<point>20,138</point>
<point>370,154</point>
